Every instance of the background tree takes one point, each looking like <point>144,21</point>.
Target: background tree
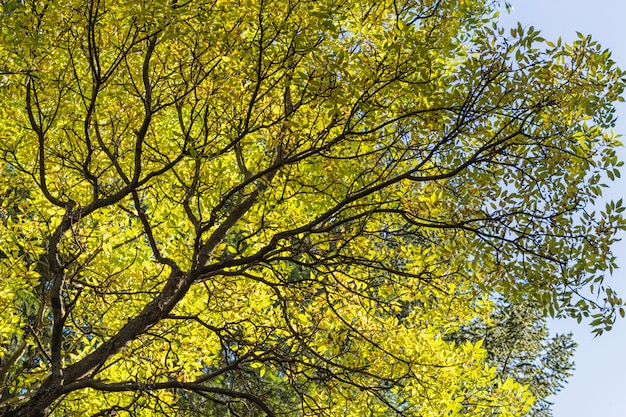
<point>240,199</point>
<point>519,345</point>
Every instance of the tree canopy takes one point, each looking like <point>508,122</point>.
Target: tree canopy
<point>258,207</point>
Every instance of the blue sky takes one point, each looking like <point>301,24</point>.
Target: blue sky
<point>598,387</point>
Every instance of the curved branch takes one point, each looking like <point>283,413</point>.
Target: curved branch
<point>188,386</point>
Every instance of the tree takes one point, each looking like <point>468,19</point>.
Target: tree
<point>286,207</point>
<point>518,344</point>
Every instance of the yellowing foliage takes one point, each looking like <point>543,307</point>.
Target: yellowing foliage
<point>287,207</point>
